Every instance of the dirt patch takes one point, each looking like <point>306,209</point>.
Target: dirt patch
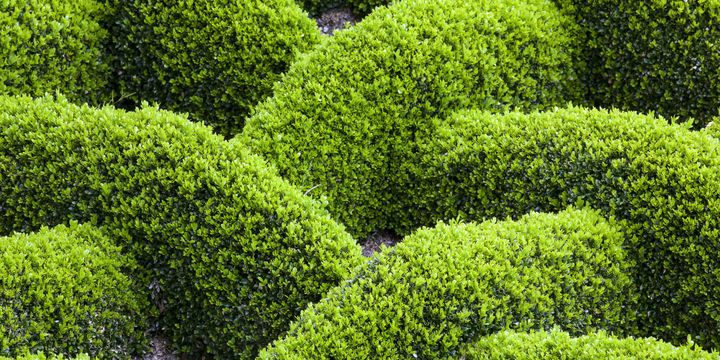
<point>376,240</point>
<point>336,19</point>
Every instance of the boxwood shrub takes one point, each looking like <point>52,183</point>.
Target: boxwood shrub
<point>42,356</point>
<point>553,345</point>
<point>214,59</point>
<point>53,46</point>
<point>661,180</point>
<point>713,128</point>
<point>656,55</point>
<point>349,111</point>
<point>449,285</point>
<point>62,290</point>
<point>232,251</point>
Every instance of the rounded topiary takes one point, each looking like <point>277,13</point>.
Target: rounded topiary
<point>556,345</point>
<point>235,251</point>
<point>364,7</point>
<point>661,180</point>
<point>349,112</point>
<point>214,59</point>
<point>443,287</point>
<point>53,46</point>
<point>656,55</point>
<point>62,291</point>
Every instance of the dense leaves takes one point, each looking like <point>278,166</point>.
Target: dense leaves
<point>62,291</point>
<point>349,112</point>
<point>443,287</point>
<point>653,55</point>
<point>557,345</point>
<point>662,180</point>
<point>49,46</point>
<point>214,59</point>
<point>232,251</point>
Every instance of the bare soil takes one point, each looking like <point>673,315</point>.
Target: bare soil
<point>336,19</point>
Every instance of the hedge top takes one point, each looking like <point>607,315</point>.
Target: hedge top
<point>48,46</point>
<point>446,286</point>
<point>63,290</point>
<point>556,344</point>
<point>349,111</point>
<point>236,251</point>
<point>662,180</point>
<point>213,59</point>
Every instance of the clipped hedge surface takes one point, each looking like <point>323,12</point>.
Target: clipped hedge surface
<point>349,111</point>
<point>560,345</point>
<point>62,290</point>
<point>656,55</point>
<point>42,356</point>
<point>713,128</point>
<point>214,59</point>
<point>53,46</point>
<point>446,286</point>
<point>662,180</point>
<point>236,252</point>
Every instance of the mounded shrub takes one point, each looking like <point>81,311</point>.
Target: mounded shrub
<point>366,6</point>
<point>53,46</point>
<point>213,59</point>
<point>350,110</point>
<point>443,287</point>
<point>560,345</point>
<point>662,181</point>
<point>234,251</point>
<point>62,290</point>
<point>657,55</point>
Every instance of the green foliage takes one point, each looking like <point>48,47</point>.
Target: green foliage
<point>53,46</point>
<point>364,7</point>
<point>62,291</point>
<point>560,345</point>
<point>42,356</point>
<point>446,286</point>
<point>235,251</point>
<point>214,59</point>
<point>713,128</point>
<point>655,55</point>
<point>316,7</point>
<point>661,180</point>
<point>349,112</point>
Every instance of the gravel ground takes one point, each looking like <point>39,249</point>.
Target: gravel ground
<point>376,240</point>
<point>335,19</point>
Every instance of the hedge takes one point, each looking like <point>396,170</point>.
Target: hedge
<point>213,59</point>
<point>560,345</point>
<point>446,286</point>
<point>657,55</point>
<point>349,111</point>
<point>42,356</point>
<point>661,180</point>
<point>62,290</point>
<point>53,46</point>
<point>713,128</point>
<point>233,251</point>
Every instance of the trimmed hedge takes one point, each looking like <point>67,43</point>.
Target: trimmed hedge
<point>214,59</point>
<point>235,251</point>
<point>364,7</point>
<point>62,291</point>
<point>656,55</point>
<point>662,180</point>
<point>42,356</point>
<point>349,111</point>
<point>53,46</point>
<point>560,345</point>
<point>446,286</point>
<point>713,128</point>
